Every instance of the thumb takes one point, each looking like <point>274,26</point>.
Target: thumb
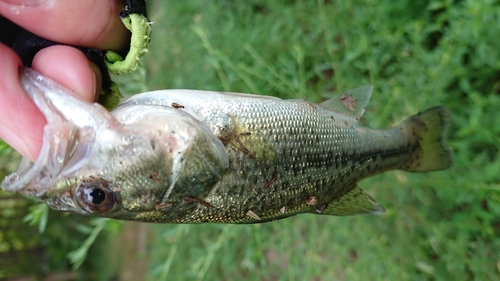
<point>69,67</point>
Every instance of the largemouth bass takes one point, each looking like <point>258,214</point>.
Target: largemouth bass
<point>185,156</point>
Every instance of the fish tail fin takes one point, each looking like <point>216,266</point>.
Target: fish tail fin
<point>429,129</point>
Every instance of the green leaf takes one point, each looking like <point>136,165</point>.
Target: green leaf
<point>5,148</point>
<point>78,256</point>
<point>38,215</point>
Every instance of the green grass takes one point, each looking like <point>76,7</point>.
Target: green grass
<point>439,226</point>
<point>417,54</point>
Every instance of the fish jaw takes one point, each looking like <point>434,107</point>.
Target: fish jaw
<point>69,142</point>
<point>120,164</point>
<point>67,139</point>
<point>82,144</point>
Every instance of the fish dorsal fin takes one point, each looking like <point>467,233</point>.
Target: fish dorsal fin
<point>356,201</point>
<point>351,103</point>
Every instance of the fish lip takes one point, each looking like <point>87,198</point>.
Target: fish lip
<point>66,146</point>
<point>65,149</point>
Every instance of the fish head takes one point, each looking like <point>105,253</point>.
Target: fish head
<point>119,165</point>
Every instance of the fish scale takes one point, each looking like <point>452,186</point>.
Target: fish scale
<point>186,156</point>
<point>317,157</point>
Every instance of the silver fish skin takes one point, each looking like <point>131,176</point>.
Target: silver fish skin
<point>185,156</point>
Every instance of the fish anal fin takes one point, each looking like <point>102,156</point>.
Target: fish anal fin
<point>351,103</point>
<point>356,201</point>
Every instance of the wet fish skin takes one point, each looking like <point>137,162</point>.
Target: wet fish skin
<point>284,153</point>
<point>181,156</point>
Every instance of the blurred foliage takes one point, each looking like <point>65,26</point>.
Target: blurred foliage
<point>417,54</point>
<point>4,148</point>
<point>38,215</point>
<point>78,256</point>
<point>25,250</point>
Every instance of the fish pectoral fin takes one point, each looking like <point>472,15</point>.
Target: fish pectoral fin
<point>352,103</point>
<point>356,201</point>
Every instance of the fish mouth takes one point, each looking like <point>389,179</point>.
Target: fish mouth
<point>67,140</point>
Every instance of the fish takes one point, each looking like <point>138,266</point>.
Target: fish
<point>191,156</point>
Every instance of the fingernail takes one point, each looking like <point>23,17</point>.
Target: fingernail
<point>96,80</point>
<point>25,3</point>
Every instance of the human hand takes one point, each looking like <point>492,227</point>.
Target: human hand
<point>89,23</point>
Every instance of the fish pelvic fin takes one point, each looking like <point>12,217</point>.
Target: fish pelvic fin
<point>354,202</point>
<point>429,128</point>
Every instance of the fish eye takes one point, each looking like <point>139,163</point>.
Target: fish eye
<point>96,196</point>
